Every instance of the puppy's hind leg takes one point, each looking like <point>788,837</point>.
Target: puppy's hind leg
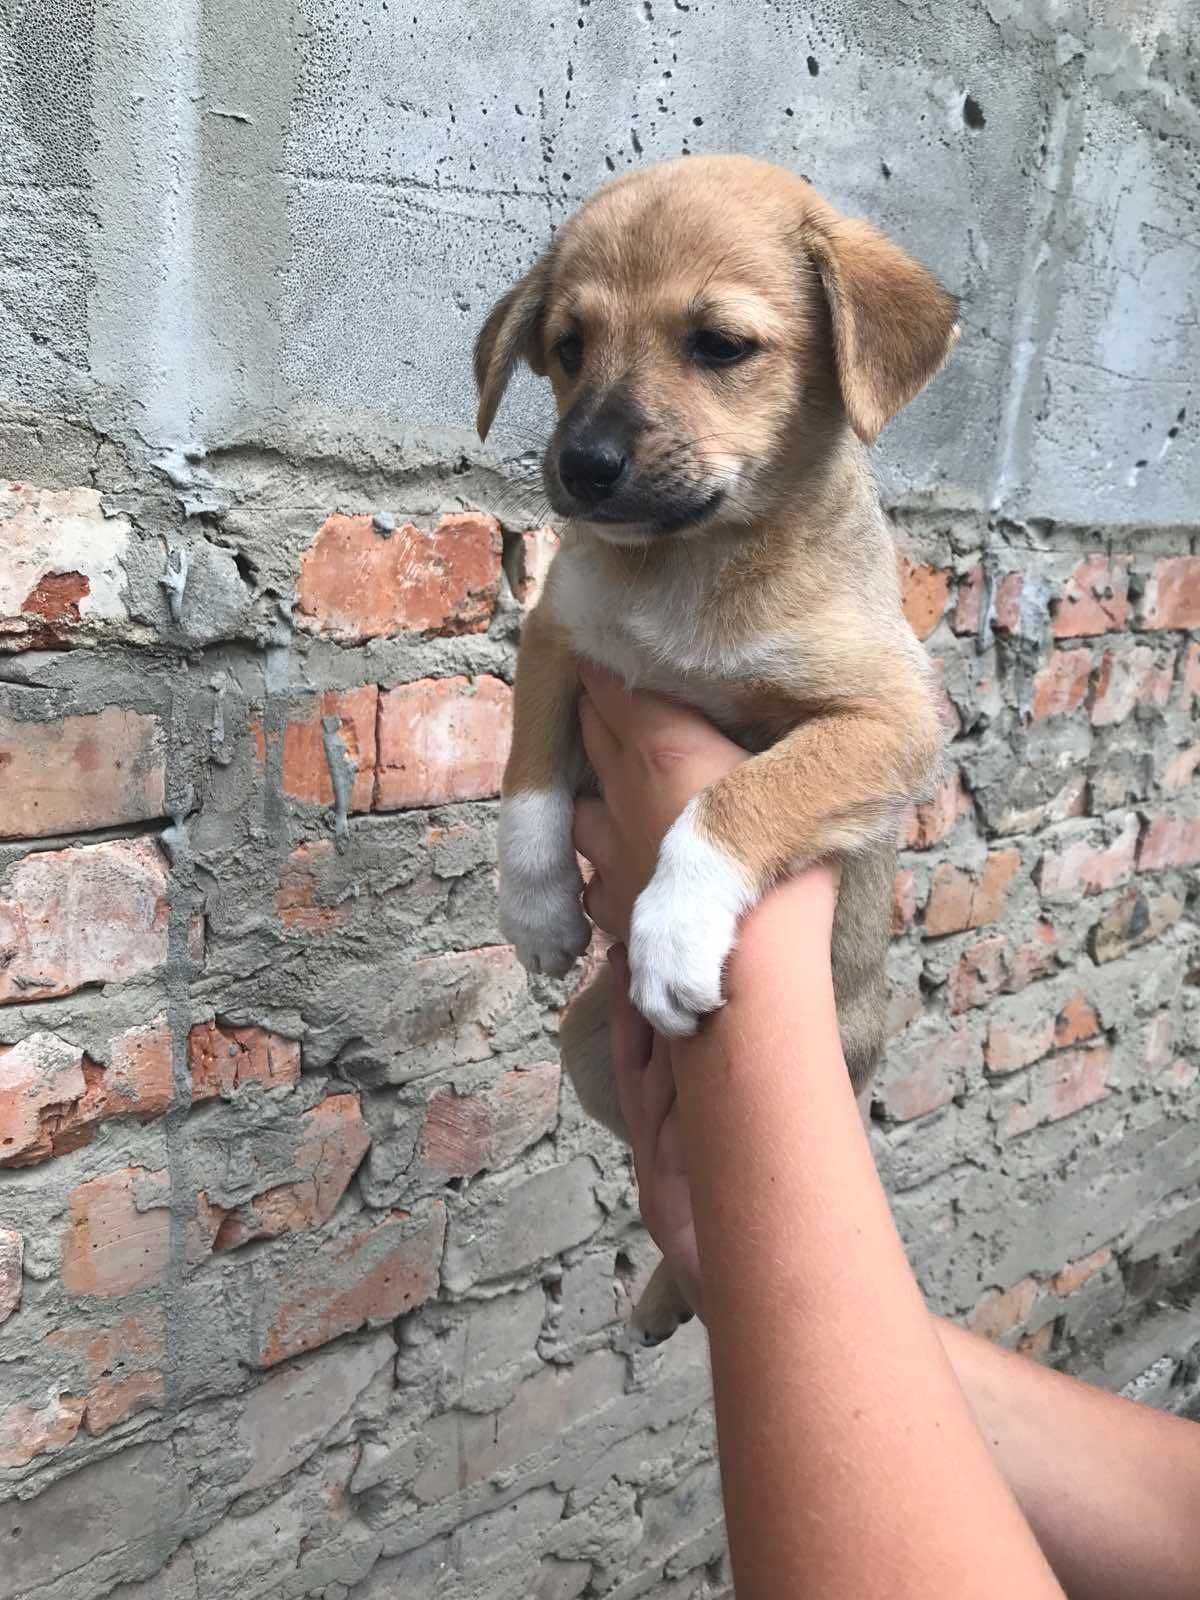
<point>661,1309</point>
<point>584,1046</point>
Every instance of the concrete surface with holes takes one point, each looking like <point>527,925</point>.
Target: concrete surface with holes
<point>311,1281</point>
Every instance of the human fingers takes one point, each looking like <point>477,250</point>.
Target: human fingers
<point>595,838</point>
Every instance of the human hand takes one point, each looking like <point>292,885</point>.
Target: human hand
<point>652,756</point>
<point>645,1084</point>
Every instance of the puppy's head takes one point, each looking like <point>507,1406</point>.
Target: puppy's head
<point>706,324</point>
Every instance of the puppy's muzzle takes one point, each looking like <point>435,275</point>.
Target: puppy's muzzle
<point>592,469</point>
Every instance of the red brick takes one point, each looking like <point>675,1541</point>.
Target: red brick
<point>112,1247</point>
<point>1063,1085</point>
<point>1011,1046</point>
<point>935,820</point>
<point>1134,920</point>
<point>224,1058</point>
<point>926,1074</point>
<point>1095,599</point>
<point>117,1398</point>
<point>904,900</point>
<point>1190,676</point>
<point>12,1257</point>
<point>1172,598</point>
<point>53,1096</point>
<point>1180,770</point>
<point>1059,687</point>
<point>80,773</point>
<point>93,914</point>
<point>365,1278</point>
<point>442,739</point>
<point>957,900</point>
<point>1084,866</point>
<point>1169,842</point>
<point>1000,1311</point>
<point>530,566</point>
<point>466,1134</point>
<point>333,1140</point>
<point>1076,1273</point>
<point>62,568</point>
<point>1126,679</point>
<point>923,594</point>
<point>358,583</point>
<point>982,972</point>
<point>311,897</point>
<point>1005,602</point>
<point>116,1370</point>
<point>1035,959</point>
<point>461,997</point>
<point>306,774</point>
<point>1076,1021</point>
<point>994,967</point>
<point>26,1432</point>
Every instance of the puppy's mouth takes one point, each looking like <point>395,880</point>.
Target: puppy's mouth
<point>633,519</point>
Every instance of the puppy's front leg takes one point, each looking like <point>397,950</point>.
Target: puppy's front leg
<point>540,884</point>
<point>835,785</point>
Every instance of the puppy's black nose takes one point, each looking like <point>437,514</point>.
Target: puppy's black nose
<point>590,472</point>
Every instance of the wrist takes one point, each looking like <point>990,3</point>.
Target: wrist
<point>786,938</point>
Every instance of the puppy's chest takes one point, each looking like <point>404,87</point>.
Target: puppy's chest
<point>653,636</point>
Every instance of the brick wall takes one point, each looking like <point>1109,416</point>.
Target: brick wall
<point>311,1280</point>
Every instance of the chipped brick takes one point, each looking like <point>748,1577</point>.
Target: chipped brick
<point>351,1281</point>
<point>223,1058</point>
<point>1064,1084</point>
<point>923,592</point>
<point>441,740</point>
<point>1095,599</point>
<point>118,1233</point>
<point>1060,686</point>
<point>466,1134</point>
<point>92,914</point>
<point>1172,598</point>
<point>958,900</point>
<point>356,583</point>
<point>80,773</point>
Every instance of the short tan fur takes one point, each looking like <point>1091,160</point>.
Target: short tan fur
<point>730,339</point>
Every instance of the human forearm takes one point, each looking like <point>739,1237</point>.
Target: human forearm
<point>850,1462</point>
<point>1111,1489</point>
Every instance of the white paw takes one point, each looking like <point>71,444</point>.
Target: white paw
<point>684,926</point>
<point>547,928</point>
<point>540,913</point>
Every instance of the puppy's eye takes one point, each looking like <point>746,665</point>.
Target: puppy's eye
<point>569,351</point>
<point>711,348</point>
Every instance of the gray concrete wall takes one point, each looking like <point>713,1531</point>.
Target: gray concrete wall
<point>250,189</point>
<point>310,1284</point>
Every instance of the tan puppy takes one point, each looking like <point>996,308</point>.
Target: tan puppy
<point>722,347</point>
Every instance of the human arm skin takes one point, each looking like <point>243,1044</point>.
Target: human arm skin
<point>851,1465</point>
<point>1111,1489</point>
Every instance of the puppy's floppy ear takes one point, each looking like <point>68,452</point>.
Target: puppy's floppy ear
<point>893,323</point>
<point>512,331</point>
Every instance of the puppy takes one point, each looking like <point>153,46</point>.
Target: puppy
<point>722,346</point>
